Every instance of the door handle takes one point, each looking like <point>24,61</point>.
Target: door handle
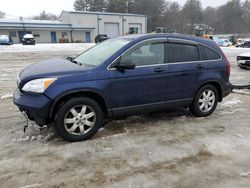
<point>200,66</point>
<point>159,69</point>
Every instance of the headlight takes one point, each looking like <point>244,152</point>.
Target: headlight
<point>38,85</point>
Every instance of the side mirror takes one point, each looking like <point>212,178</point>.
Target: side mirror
<point>70,58</point>
<point>123,65</point>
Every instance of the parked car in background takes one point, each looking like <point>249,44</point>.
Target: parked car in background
<point>246,44</point>
<point>100,38</point>
<point>240,41</point>
<point>28,39</point>
<point>123,76</point>
<point>244,60</point>
<point>5,40</point>
<point>222,42</point>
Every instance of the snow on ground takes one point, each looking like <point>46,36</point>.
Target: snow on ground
<point>232,103</point>
<point>17,48</point>
<point>166,149</point>
<point>243,92</point>
<point>6,96</point>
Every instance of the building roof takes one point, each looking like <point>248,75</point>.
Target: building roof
<point>32,24</point>
<point>37,24</point>
<point>30,21</point>
<point>103,13</point>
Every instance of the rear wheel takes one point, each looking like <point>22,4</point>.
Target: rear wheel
<point>205,101</point>
<point>78,119</point>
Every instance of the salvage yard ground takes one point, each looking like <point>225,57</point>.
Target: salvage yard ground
<point>168,149</point>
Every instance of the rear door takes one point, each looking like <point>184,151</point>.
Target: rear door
<point>184,69</point>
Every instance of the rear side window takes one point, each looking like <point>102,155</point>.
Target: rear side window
<point>208,53</point>
<point>182,52</point>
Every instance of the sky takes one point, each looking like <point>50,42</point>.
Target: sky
<point>27,8</point>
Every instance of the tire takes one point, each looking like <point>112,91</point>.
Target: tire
<point>205,101</point>
<point>78,119</point>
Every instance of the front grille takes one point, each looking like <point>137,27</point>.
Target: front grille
<point>242,58</point>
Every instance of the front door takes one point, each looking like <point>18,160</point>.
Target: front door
<point>144,85</point>
<point>88,37</point>
<point>53,37</point>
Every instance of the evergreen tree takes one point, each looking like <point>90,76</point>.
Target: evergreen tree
<point>89,5</point>
<point>45,16</point>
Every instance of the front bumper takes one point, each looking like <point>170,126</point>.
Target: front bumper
<point>244,65</point>
<point>36,106</point>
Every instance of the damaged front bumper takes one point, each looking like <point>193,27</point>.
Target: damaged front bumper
<point>35,106</point>
<point>244,63</point>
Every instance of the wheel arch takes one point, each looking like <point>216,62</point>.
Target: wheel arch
<point>217,85</point>
<point>80,93</point>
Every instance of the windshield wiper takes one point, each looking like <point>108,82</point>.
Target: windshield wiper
<point>73,60</point>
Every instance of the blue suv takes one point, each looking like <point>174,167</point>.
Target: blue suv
<point>124,76</point>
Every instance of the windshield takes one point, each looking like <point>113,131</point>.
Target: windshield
<point>28,36</point>
<point>101,52</point>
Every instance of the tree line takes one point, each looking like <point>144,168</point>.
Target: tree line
<point>232,17</point>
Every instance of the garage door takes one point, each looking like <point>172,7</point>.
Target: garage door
<point>111,29</point>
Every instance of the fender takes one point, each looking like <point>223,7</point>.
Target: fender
<point>54,103</point>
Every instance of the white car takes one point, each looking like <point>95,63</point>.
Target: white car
<point>223,42</point>
<point>28,39</point>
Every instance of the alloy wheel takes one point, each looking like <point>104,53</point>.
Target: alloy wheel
<point>207,100</point>
<point>79,120</point>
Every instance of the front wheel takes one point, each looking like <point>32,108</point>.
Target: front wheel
<point>78,119</point>
<point>205,101</point>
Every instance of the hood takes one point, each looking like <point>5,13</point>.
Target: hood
<point>52,67</point>
<point>246,54</point>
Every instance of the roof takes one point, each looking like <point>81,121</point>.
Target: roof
<point>38,24</point>
<point>141,37</point>
<point>103,13</point>
<point>30,21</point>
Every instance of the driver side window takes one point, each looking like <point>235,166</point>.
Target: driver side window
<point>148,54</point>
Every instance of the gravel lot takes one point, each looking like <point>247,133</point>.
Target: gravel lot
<point>168,149</point>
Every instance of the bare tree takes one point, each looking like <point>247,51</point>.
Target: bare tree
<point>45,16</point>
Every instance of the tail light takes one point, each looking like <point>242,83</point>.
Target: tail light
<point>228,65</point>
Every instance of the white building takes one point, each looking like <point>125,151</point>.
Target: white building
<point>112,24</point>
<point>75,26</point>
<point>43,31</point>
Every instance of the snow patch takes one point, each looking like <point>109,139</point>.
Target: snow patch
<point>46,47</point>
<point>32,186</point>
<point>239,135</point>
<point>35,133</point>
<point>243,92</point>
<point>231,103</point>
<point>232,112</point>
<point>6,96</point>
<point>245,174</point>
